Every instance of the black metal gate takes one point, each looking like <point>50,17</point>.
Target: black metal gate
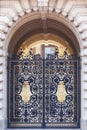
<point>44,93</point>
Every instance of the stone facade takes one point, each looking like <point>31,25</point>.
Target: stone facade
<point>15,13</point>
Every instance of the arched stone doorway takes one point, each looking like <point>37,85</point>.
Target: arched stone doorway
<point>46,28</point>
<point>14,14</point>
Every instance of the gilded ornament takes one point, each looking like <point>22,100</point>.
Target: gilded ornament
<point>26,93</point>
<point>61,92</point>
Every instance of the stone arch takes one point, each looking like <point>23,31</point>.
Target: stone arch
<point>73,13</point>
<point>17,32</point>
<point>48,23</point>
<point>36,24</point>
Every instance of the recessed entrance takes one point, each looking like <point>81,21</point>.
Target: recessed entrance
<point>43,85</point>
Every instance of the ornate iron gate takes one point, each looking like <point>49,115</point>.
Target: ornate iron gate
<point>44,93</point>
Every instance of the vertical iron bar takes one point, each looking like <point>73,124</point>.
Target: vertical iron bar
<point>8,71</point>
<point>43,93</point>
<point>79,91</point>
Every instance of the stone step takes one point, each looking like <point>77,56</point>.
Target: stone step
<point>41,129</point>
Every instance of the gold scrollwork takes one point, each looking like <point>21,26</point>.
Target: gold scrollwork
<point>61,92</point>
<point>26,93</point>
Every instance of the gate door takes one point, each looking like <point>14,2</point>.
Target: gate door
<point>61,93</point>
<point>43,93</point>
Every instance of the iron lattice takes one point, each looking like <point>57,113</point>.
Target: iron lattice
<point>43,93</point>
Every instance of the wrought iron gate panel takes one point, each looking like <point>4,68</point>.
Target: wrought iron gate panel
<point>43,93</point>
<point>61,105</point>
<point>26,93</point>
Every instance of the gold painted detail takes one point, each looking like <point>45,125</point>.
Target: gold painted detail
<point>61,92</point>
<point>26,93</point>
<point>61,52</point>
<point>25,53</point>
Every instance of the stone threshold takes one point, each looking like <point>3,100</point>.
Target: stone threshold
<point>42,129</point>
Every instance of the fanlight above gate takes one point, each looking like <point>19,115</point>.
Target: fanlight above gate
<point>44,49</point>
